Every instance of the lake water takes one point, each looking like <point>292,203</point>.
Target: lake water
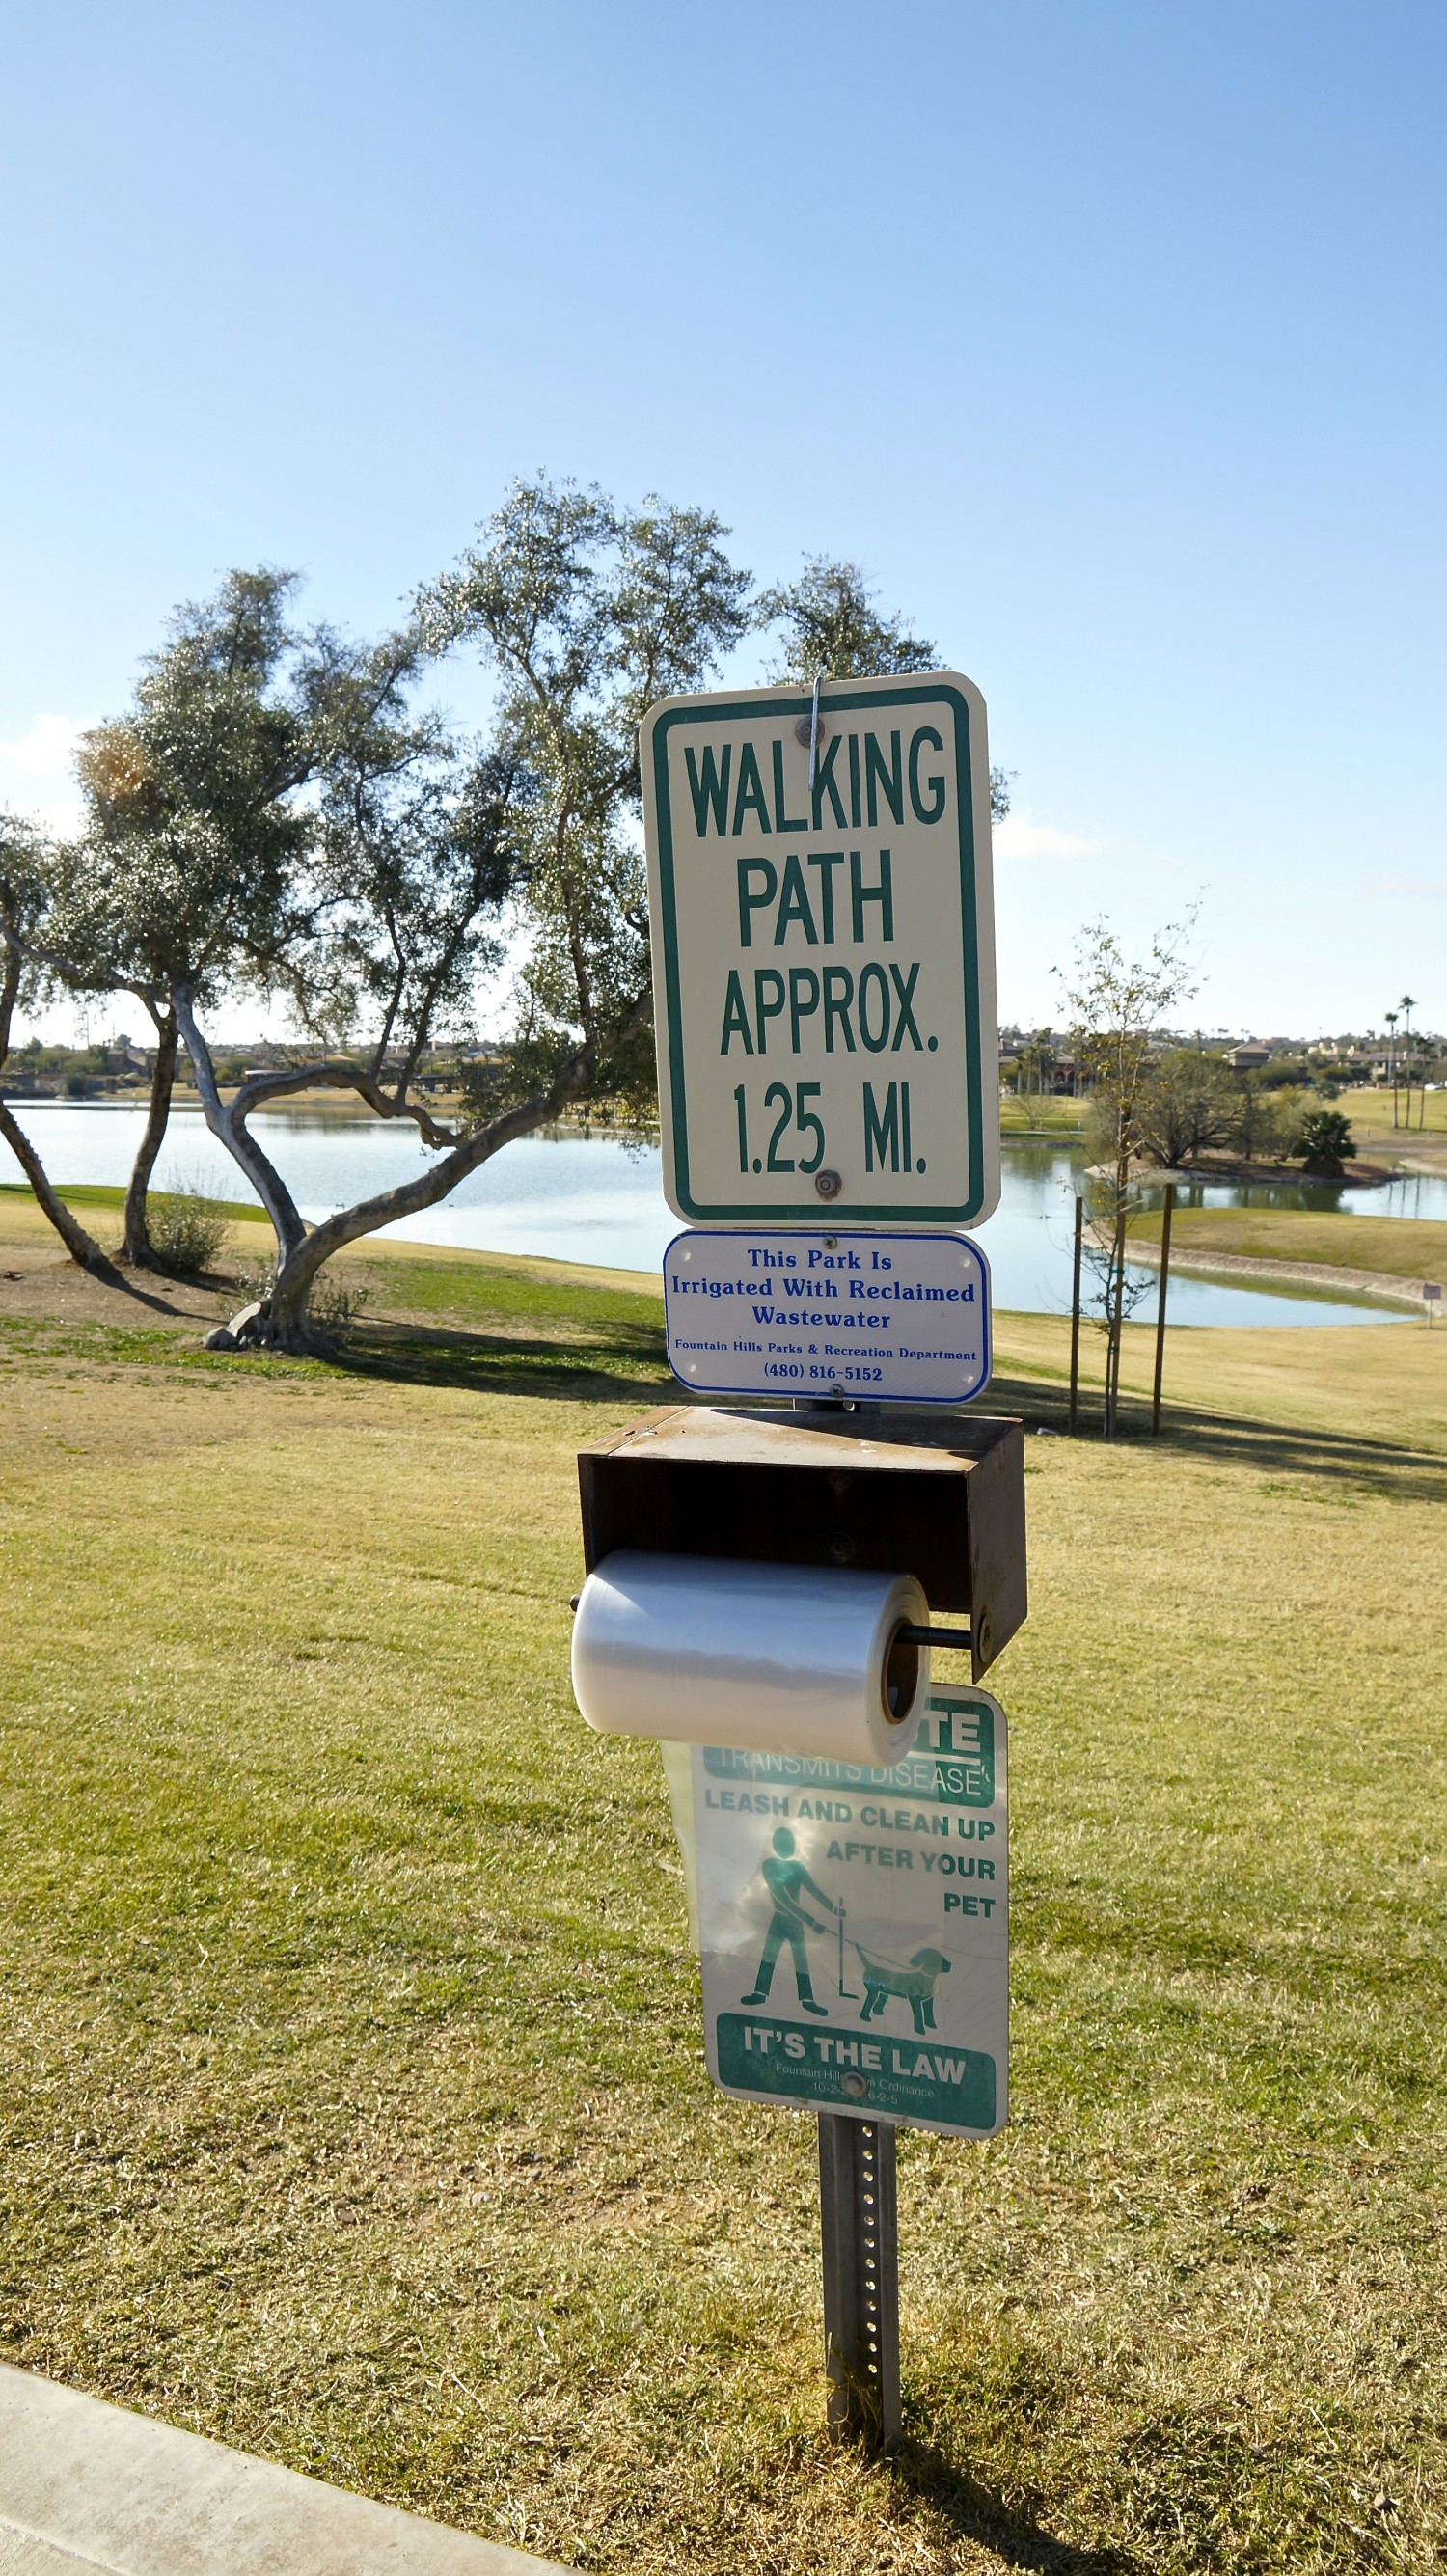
<point>592,1199</point>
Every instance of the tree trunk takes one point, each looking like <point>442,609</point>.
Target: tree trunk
<point>1115,1304</point>
<point>81,1246</point>
<point>301,1252</point>
<point>299,1262</point>
<point>136,1246</point>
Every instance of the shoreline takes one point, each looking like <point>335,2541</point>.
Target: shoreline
<point>1370,1287</point>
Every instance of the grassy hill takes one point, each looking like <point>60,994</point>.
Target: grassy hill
<point>353,2106</point>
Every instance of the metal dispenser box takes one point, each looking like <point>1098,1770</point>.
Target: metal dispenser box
<point>900,1491</point>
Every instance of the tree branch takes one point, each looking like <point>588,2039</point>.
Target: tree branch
<point>230,1130</point>
<point>340,1077</point>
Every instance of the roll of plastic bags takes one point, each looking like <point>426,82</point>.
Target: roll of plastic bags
<point>776,1658</point>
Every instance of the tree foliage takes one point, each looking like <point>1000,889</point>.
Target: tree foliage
<point>27,888</point>
<point>1189,1106</point>
<point>830,629</point>
<point>586,612</point>
<point>281,812</point>
<point>1324,1141</point>
<point>189,873</point>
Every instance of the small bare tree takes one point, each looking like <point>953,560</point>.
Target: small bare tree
<point>1117,1005</point>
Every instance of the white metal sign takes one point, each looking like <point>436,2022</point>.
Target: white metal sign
<point>772,1311</point>
<point>853,1924</point>
<point>823,952</point>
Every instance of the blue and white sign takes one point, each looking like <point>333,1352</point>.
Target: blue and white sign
<point>781,1310</point>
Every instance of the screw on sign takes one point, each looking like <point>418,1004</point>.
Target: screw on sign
<point>819,890</point>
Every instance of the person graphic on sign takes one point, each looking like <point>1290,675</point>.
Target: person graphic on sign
<point>787,1880</point>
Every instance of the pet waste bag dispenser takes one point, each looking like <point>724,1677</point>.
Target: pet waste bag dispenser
<point>764,1579</point>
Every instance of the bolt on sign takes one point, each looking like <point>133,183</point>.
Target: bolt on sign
<point>853,1924</point>
<point>823,952</point>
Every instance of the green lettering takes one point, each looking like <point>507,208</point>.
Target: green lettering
<point>736,1018</point>
<point>877,775</point>
<point>824,783</point>
<point>854,814</point>
<point>783,822</point>
<point>764,1011</point>
<point>801,977</point>
<point>750,797</point>
<point>836,1006</point>
<point>751,903</point>
<point>904,994</point>
<point>795,905</point>
<point>826,861</point>
<point>711,791</point>
<point>881,1130</point>
<point>860,894</point>
<point>871,976</point>
<point>926,813</point>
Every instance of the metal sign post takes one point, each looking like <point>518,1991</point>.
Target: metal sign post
<point>899,1881</point>
<point>859,2224</point>
<point>828,1056</point>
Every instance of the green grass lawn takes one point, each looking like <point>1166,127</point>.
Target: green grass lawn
<point>353,2105</point>
<point>1370,1113</point>
<point>1407,1247</point>
<point>106,1194</point>
<point>1026,1115</point>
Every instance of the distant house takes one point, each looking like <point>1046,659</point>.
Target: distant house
<point>1248,1059</point>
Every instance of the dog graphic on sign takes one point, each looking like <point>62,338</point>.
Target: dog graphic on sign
<point>888,1980</point>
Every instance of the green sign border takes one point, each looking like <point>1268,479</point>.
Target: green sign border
<point>814,1209</point>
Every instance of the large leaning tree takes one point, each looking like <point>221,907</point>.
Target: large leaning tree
<point>27,891</point>
<point>584,613</point>
<point>279,813</point>
<point>428,862</point>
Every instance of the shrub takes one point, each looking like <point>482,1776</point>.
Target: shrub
<point>186,1228</point>
<point>336,1304</point>
<point>1324,1140</point>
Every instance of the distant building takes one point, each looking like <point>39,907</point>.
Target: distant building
<point>1248,1059</point>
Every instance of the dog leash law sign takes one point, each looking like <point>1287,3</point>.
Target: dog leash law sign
<point>823,952</point>
<point>853,1925</point>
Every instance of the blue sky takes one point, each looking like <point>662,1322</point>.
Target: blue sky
<point>1107,338</point>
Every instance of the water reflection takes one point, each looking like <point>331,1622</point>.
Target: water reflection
<point>598,1199</point>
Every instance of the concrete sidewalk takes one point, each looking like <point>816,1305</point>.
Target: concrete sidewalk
<point>86,2486</point>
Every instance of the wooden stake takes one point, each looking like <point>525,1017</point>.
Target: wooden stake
<point>1075,1314</point>
<point>1115,1314</point>
<point>1161,1308</point>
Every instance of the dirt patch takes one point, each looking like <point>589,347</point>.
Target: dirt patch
<point>38,1282</point>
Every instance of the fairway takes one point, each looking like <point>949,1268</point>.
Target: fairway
<point>353,2104</point>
